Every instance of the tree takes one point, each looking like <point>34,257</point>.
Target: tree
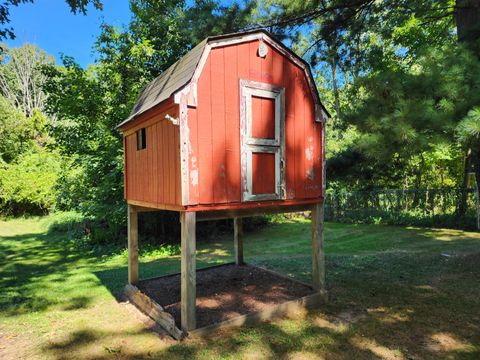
<point>89,103</point>
<point>22,78</point>
<point>468,135</point>
<point>15,132</point>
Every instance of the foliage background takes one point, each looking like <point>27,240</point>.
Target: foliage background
<point>401,79</point>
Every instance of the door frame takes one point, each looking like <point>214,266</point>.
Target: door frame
<point>250,145</point>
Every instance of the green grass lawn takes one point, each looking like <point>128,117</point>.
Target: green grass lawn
<point>395,293</point>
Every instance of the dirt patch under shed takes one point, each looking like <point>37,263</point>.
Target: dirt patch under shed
<point>225,292</point>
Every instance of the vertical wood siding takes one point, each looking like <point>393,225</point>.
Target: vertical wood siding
<point>214,125</point>
<point>152,175</point>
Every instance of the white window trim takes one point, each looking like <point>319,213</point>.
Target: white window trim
<point>249,93</point>
<point>250,144</point>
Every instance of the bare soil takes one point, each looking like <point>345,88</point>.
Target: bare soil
<point>225,292</point>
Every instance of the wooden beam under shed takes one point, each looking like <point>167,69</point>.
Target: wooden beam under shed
<point>188,281</point>
<point>318,254</point>
<point>209,215</point>
<point>132,245</point>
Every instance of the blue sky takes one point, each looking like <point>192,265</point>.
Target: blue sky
<point>51,25</point>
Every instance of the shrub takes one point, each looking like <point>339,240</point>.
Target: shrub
<point>27,186</point>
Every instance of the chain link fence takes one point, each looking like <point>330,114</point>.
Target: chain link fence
<point>446,207</point>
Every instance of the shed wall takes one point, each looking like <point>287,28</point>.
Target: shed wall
<point>214,125</point>
<point>152,175</point>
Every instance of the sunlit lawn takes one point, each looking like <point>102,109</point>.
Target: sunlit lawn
<point>395,293</point>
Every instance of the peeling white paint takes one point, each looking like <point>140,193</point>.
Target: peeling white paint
<point>194,177</point>
<point>309,153</point>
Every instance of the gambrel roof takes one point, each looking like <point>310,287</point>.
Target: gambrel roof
<point>180,74</point>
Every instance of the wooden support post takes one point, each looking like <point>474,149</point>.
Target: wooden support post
<point>188,296</point>
<point>238,240</point>
<point>318,254</point>
<point>132,245</point>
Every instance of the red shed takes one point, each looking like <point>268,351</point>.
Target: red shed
<point>235,128</point>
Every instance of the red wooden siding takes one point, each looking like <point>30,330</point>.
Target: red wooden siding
<point>263,173</point>
<point>152,175</point>
<point>263,118</point>
<point>214,126</point>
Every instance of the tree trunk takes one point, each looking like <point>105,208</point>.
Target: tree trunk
<point>336,92</point>
<point>467,19</point>
<point>462,206</point>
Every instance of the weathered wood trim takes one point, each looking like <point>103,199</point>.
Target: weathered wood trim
<point>151,308</point>
<point>244,104</point>
<point>249,144</point>
<point>253,204</point>
<point>324,162</point>
<point>273,312</point>
<point>132,245</point>
<point>189,93</point>
<point>188,275</point>
<point>125,172</point>
<point>238,240</point>
<point>150,117</point>
<point>229,213</point>
<point>318,254</point>
<point>283,182</point>
<point>185,146</point>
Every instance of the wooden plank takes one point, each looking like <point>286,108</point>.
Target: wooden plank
<point>154,194</point>
<point>184,153</point>
<point>277,68</point>
<point>217,86</point>
<point>125,171</point>
<point>193,156</point>
<point>149,206</point>
<point>290,160</point>
<point>255,62</point>
<point>273,312</point>
<point>267,65</point>
<point>149,174</point>
<point>161,167</point>
<point>232,124</point>
<point>318,254</point>
<point>132,245</point>
<point>142,174</point>
<point>238,240</point>
<point>299,147</point>
<point>166,163</point>
<point>154,311</point>
<point>177,172</point>
<point>239,212</point>
<point>188,291</point>
<point>172,152</point>
<point>205,145</point>
<point>312,181</point>
<point>318,158</point>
